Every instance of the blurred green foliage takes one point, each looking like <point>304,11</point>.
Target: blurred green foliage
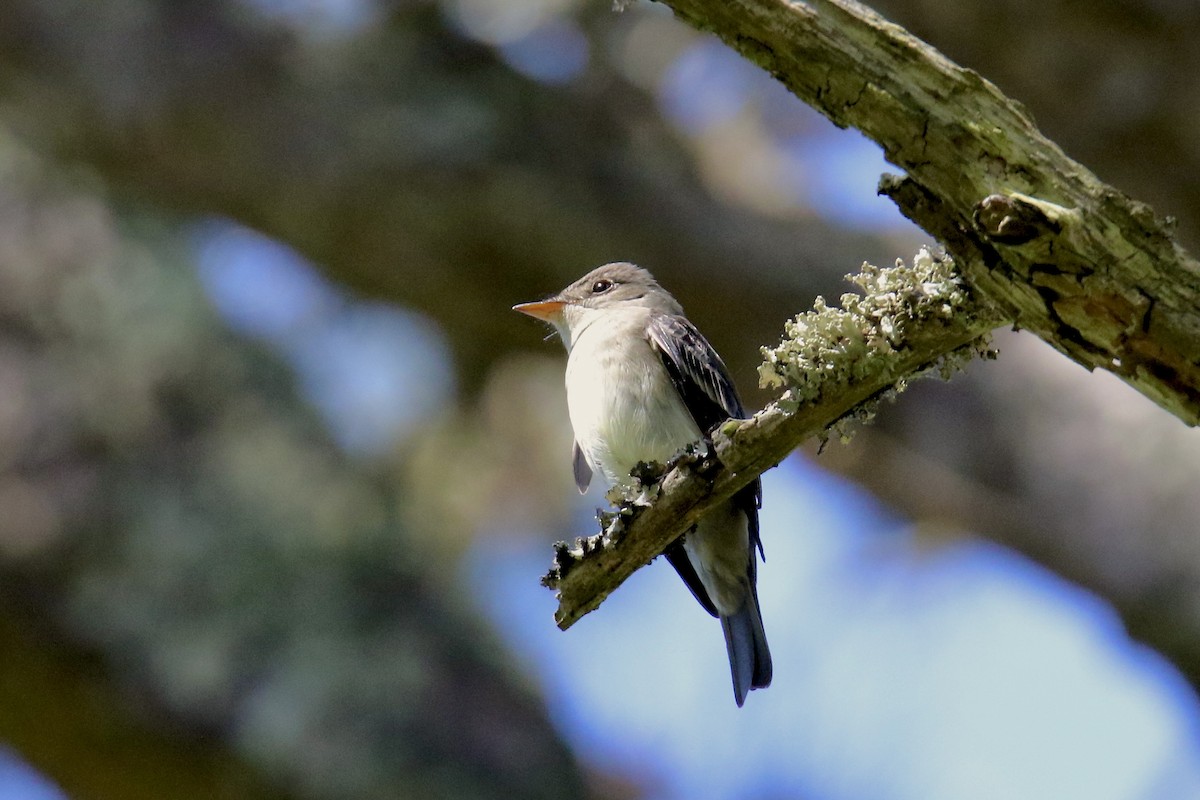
<point>188,516</point>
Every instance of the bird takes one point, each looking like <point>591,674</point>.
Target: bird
<point>643,383</point>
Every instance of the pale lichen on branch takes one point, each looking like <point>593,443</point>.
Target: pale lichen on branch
<point>836,347</point>
<point>627,501</point>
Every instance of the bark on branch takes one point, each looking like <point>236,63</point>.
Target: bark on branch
<point>1069,258</point>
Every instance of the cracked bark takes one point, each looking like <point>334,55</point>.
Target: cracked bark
<point>1100,278</point>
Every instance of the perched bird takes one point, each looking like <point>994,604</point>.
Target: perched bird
<point>642,383</point>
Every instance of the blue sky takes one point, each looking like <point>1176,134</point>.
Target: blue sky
<point>900,673</point>
<point>19,781</point>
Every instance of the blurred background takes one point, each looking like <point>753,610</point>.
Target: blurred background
<point>279,469</point>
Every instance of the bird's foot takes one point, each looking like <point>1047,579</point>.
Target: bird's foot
<point>700,457</point>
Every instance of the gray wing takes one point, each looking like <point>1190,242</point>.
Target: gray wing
<point>697,371</point>
<point>581,468</point>
<point>708,393</point>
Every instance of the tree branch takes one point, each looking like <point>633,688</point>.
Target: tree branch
<point>835,364</point>
<point>1071,259</point>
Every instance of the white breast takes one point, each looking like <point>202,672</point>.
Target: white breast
<point>623,406</point>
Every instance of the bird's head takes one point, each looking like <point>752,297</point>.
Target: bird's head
<point>615,287</point>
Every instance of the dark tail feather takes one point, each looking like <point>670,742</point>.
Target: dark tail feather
<point>746,644</point>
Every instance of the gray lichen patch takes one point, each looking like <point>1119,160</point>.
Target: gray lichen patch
<point>628,499</point>
<point>829,348</point>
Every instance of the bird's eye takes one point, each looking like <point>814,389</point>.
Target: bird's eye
<point>600,287</point>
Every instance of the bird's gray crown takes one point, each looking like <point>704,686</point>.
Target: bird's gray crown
<point>619,284</point>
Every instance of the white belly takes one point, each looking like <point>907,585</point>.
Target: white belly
<point>623,406</point>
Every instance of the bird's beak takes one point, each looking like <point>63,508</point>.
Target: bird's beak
<point>546,310</point>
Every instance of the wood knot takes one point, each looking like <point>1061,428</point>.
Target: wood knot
<point>1014,219</point>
